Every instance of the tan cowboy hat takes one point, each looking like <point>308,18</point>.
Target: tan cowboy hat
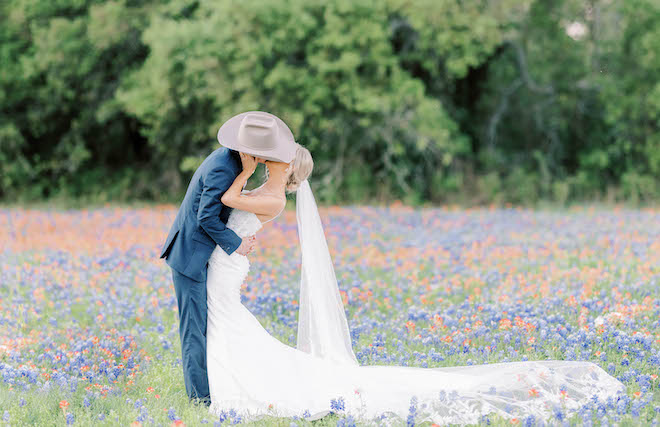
<point>260,134</point>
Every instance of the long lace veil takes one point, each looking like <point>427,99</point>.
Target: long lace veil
<point>322,326</point>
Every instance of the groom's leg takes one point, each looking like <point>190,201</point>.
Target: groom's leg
<point>191,300</point>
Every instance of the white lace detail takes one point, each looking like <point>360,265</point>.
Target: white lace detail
<point>243,223</point>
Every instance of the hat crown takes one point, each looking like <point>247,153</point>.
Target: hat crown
<point>258,131</point>
<point>260,134</point>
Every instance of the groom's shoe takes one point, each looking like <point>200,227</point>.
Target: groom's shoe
<point>201,401</point>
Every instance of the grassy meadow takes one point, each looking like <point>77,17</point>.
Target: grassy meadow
<point>89,334</point>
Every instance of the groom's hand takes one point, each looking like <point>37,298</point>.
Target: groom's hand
<point>247,245</point>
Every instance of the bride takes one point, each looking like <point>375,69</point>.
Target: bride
<point>255,374</point>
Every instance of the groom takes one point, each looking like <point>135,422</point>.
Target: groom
<point>199,226</point>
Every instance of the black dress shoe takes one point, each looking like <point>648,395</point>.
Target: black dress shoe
<point>206,401</point>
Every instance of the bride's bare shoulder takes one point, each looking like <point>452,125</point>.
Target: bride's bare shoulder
<point>277,205</point>
<point>265,206</point>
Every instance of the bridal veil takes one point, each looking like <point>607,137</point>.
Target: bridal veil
<point>322,326</point>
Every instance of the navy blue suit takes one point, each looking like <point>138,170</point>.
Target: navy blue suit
<point>199,226</point>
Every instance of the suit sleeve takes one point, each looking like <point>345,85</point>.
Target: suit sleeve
<point>216,182</point>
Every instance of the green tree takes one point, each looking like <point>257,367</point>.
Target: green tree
<point>475,100</point>
<point>328,69</point>
<point>62,128</point>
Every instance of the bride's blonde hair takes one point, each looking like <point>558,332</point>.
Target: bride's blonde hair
<point>301,168</point>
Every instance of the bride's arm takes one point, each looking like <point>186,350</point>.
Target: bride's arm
<point>260,205</point>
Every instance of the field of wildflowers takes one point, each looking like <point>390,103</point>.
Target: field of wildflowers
<point>88,330</point>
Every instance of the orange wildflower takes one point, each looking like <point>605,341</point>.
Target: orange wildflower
<point>410,325</point>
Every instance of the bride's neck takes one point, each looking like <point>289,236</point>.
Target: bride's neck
<point>277,177</point>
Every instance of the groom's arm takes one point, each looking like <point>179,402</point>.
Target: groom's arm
<point>216,182</point>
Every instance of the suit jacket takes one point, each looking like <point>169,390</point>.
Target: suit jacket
<point>201,221</point>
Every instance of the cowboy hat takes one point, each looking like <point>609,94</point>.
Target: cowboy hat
<point>260,134</point>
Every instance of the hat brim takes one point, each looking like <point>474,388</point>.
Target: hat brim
<point>285,150</point>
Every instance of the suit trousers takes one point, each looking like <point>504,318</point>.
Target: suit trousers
<point>191,300</point>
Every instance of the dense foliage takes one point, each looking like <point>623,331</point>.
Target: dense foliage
<point>475,101</point>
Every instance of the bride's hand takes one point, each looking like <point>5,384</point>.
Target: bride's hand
<point>249,163</point>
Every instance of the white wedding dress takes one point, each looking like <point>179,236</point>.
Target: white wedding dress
<point>255,374</point>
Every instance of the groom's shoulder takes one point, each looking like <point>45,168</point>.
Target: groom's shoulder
<point>219,159</point>
<point>219,153</point>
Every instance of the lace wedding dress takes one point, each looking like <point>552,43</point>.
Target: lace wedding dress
<point>255,374</point>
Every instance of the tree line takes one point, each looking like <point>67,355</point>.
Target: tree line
<point>471,101</point>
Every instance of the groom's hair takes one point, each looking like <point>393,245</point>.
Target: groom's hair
<point>237,155</point>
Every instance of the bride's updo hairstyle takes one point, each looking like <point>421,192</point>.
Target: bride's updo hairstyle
<point>301,168</point>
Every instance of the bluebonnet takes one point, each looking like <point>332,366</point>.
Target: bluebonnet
<point>621,406</point>
<point>337,404</point>
<point>70,419</point>
<point>412,412</point>
<point>346,422</point>
<point>635,407</point>
<point>230,415</point>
